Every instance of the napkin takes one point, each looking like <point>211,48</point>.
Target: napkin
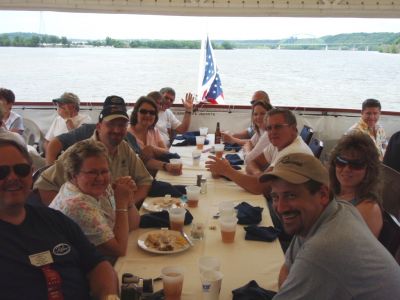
<point>234,159</point>
<point>162,188</point>
<point>160,219</point>
<point>260,233</point>
<point>248,214</point>
<point>167,156</point>
<point>232,147</point>
<point>252,291</point>
<point>189,139</point>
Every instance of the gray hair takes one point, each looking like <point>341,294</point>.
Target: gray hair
<point>78,153</point>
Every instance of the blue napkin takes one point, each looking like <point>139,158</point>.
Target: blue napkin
<point>160,219</point>
<point>260,233</point>
<point>188,139</point>
<point>167,156</point>
<point>162,188</point>
<point>234,159</point>
<point>232,147</point>
<point>248,214</point>
<point>252,291</point>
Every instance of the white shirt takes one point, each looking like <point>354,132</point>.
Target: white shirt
<point>262,143</point>
<point>272,155</point>
<point>166,120</point>
<point>14,121</point>
<point>59,126</point>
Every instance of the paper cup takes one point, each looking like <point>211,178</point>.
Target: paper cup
<point>172,282</point>
<point>211,284</point>
<point>193,195</point>
<point>209,263</point>
<point>177,218</point>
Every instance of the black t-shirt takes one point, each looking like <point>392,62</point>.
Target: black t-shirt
<point>44,229</point>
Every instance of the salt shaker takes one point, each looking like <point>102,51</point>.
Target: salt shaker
<point>203,186</point>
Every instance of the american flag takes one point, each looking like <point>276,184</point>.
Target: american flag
<point>211,88</point>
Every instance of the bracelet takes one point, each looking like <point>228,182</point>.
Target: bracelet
<point>121,210</point>
<point>164,166</point>
<point>188,112</point>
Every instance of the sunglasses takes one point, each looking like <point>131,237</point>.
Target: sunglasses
<point>353,164</point>
<point>145,111</point>
<point>276,127</point>
<point>21,170</point>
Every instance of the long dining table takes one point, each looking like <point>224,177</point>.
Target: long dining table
<point>241,261</point>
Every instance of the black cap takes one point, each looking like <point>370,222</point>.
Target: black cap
<point>114,101</point>
<point>113,112</point>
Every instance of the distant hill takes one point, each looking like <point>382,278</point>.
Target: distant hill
<point>379,41</point>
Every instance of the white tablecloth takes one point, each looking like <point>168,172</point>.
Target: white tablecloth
<point>241,261</point>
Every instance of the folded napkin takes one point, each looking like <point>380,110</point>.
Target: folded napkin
<point>160,219</point>
<point>167,156</point>
<point>232,147</point>
<point>260,233</point>
<point>189,139</point>
<point>234,159</point>
<point>248,214</point>
<point>162,188</point>
<point>252,291</point>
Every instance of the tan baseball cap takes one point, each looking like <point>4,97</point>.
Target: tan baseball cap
<point>298,168</point>
<point>68,98</point>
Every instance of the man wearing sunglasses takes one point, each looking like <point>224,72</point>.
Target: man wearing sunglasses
<point>368,124</point>
<point>111,131</point>
<point>333,254</point>
<point>284,139</point>
<point>166,118</point>
<point>43,254</point>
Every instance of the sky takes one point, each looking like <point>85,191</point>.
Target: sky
<point>122,26</point>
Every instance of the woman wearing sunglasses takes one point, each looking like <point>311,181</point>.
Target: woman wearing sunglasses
<point>142,126</point>
<point>104,211</point>
<point>354,176</point>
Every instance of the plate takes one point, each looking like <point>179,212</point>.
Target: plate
<point>160,203</point>
<point>177,241</point>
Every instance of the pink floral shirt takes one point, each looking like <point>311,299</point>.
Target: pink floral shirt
<point>96,217</point>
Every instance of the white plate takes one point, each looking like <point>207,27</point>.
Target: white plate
<point>156,204</point>
<point>171,233</point>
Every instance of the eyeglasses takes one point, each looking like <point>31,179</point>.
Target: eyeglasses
<point>21,170</point>
<point>95,173</point>
<point>355,164</point>
<point>276,127</point>
<point>145,111</point>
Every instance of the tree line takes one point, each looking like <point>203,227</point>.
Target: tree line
<point>22,39</point>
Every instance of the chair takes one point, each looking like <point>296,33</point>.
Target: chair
<point>316,147</point>
<point>390,233</point>
<point>306,134</point>
<point>391,191</point>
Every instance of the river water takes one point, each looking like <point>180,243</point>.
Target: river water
<point>291,77</point>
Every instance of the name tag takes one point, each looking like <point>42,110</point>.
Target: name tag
<point>41,259</point>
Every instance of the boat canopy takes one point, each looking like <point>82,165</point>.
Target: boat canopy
<point>238,8</point>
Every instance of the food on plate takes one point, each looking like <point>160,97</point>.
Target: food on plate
<point>165,241</point>
<point>167,202</point>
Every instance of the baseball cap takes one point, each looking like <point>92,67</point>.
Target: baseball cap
<point>68,98</point>
<point>298,168</point>
<point>114,101</point>
<point>113,112</point>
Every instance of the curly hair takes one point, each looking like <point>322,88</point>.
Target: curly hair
<point>263,104</point>
<point>134,116</point>
<point>79,152</point>
<point>362,145</point>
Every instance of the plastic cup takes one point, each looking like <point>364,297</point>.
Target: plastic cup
<point>177,218</point>
<point>200,142</point>
<point>219,150</point>
<point>228,228</point>
<point>211,284</point>
<point>227,208</point>
<point>176,163</point>
<point>209,263</point>
<point>193,195</point>
<point>196,155</point>
<point>172,282</point>
<point>203,131</point>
